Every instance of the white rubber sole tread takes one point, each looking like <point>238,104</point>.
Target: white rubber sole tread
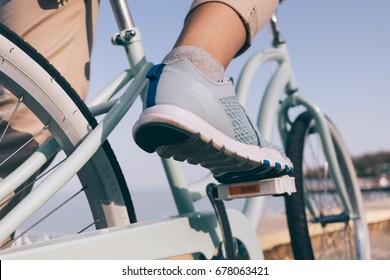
<point>204,145</point>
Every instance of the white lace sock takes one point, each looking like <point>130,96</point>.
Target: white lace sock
<point>207,64</point>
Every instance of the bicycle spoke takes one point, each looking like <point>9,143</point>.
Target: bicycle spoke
<point>52,102</point>
<point>349,240</point>
<point>88,226</point>
<point>25,144</point>
<point>332,244</point>
<point>335,242</point>
<point>42,219</point>
<point>30,184</point>
<point>11,118</point>
<point>331,232</point>
<point>324,198</point>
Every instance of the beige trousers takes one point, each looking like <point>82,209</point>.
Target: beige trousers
<point>62,33</point>
<point>252,13</point>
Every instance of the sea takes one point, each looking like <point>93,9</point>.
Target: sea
<point>149,205</point>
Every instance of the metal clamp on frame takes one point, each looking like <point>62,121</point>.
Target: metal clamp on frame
<point>126,37</point>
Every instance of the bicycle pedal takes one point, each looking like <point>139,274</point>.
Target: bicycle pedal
<point>284,185</point>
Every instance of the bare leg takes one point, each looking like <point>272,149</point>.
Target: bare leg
<point>214,33</point>
<point>218,29</point>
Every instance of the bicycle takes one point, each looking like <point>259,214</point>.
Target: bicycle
<point>87,153</point>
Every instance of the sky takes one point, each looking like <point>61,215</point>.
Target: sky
<point>340,51</point>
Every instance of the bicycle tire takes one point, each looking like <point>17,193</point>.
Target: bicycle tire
<point>324,240</point>
<point>52,98</point>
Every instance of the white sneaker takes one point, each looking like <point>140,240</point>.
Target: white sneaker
<point>188,117</point>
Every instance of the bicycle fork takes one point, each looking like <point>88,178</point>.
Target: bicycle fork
<point>326,139</point>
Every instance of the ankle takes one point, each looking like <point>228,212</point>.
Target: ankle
<point>207,64</point>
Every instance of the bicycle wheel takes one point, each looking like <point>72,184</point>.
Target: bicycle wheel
<point>320,227</point>
<point>45,93</point>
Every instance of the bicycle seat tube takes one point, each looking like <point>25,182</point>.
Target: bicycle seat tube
<point>129,35</point>
<point>122,14</point>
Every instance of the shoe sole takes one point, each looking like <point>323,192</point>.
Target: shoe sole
<point>184,136</point>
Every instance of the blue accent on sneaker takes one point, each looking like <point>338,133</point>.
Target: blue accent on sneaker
<point>154,77</point>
